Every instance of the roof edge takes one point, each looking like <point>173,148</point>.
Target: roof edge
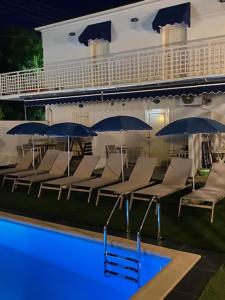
<point>106,13</point>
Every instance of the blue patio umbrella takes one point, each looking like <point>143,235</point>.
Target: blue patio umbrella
<point>29,128</point>
<point>190,126</point>
<point>68,130</point>
<point>121,123</point>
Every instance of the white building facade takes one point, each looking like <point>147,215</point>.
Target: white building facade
<point>158,60</point>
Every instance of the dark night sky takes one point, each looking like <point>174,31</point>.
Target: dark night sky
<point>32,13</point>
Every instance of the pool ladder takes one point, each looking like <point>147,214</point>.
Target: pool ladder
<point>114,263</point>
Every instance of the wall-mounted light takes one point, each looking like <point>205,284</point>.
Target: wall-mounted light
<point>156,101</point>
<point>71,33</point>
<point>134,20</point>
<point>81,105</point>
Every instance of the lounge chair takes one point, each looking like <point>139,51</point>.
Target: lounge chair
<point>44,167</point>
<point>24,164</point>
<point>83,172</point>
<point>110,175</point>
<point>58,169</point>
<point>175,180</point>
<point>209,195</point>
<point>139,178</point>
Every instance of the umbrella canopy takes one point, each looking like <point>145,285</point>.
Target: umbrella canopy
<point>120,123</point>
<point>29,128</point>
<point>68,129</point>
<point>192,125</point>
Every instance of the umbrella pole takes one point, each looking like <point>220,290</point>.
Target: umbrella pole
<point>149,143</point>
<point>68,155</point>
<point>193,163</point>
<point>121,156</point>
<point>32,138</point>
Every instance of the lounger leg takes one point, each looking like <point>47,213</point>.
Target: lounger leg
<point>29,188</point>
<point>97,199</point>
<point>212,214</point>
<point>3,181</point>
<point>40,189</point>
<point>14,186</point>
<point>60,193</point>
<point>89,195</point>
<point>121,201</point>
<point>69,192</point>
<point>180,205</point>
<point>131,201</point>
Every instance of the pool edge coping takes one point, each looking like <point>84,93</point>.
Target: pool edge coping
<point>159,286</point>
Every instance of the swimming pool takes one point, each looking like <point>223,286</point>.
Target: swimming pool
<point>41,263</point>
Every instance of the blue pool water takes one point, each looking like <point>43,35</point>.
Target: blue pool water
<point>38,263</point>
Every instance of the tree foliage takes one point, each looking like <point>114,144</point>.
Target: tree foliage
<point>36,113</point>
<point>20,49</point>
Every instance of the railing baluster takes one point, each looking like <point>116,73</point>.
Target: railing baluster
<point>17,82</point>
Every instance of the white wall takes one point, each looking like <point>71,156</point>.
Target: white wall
<point>9,143</point>
<point>207,20</point>
<point>137,108</point>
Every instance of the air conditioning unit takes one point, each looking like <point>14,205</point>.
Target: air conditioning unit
<point>191,100</point>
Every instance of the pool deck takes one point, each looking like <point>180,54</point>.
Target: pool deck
<point>158,287</point>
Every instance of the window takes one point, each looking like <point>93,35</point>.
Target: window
<point>174,34</point>
<point>174,59</point>
<point>99,48</point>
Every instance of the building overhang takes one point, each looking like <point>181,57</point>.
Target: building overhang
<point>145,92</point>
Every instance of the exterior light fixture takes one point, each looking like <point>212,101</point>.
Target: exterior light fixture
<point>71,33</point>
<point>81,105</point>
<point>134,20</point>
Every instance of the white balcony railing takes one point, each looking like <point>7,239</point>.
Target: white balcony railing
<point>194,59</point>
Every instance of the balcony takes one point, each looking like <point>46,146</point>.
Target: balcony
<point>200,58</point>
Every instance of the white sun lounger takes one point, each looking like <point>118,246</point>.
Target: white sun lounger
<point>175,180</point>
<point>24,164</point>
<point>44,167</point>
<point>83,172</point>
<point>111,174</point>
<point>58,169</point>
<point>209,195</point>
<point>139,178</point>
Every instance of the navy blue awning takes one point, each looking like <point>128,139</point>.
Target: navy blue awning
<point>96,31</point>
<point>171,15</point>
<point>154,93</point>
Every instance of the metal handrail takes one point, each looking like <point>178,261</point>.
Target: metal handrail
<point>140,229</point>
<point>138,241</point>
<point>107,223</point>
